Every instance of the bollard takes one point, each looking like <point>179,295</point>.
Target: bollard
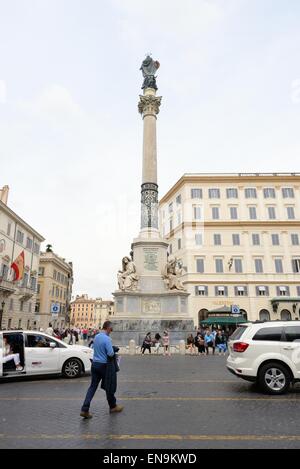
<point>182,347</point>
<point>131,347</point>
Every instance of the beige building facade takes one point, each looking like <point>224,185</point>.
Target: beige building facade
<point>54,290</point>
<point>17,298</point>
<point>90,313</point>
<point>238,237</point>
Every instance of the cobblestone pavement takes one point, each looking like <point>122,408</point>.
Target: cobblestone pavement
<point>177,402</point>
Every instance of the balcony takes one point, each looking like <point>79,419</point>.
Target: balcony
<point>7,287</point>
<point>25,293</point>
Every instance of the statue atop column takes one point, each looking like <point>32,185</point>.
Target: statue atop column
<point>127,277</point>
<point>149,67</point>
<point>172,273</point>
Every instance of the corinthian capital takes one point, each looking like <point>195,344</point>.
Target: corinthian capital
<point>149,104</point>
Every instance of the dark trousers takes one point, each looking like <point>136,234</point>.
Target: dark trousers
<point>146,347</point>
<point>98,374</point>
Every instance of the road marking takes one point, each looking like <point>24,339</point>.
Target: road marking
<point>153,437</point>
<point>179,381</point>
<point>156,398</point>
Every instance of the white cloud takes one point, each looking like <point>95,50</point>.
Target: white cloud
<point>3,91</point>
<point>54,103</point>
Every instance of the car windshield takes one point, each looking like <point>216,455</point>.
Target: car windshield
<point>238,333</point>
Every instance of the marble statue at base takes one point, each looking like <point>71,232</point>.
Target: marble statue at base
<point>127,277</point>
<point>172,273</point>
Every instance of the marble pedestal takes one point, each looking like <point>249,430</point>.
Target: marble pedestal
<point>152,307</point>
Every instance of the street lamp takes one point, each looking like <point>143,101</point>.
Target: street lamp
<point>1,313</point>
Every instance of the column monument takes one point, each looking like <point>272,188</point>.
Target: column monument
<point>151,296</point>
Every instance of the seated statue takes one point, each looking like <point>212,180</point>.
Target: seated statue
<point>172,273</point>
<point>127,277</point>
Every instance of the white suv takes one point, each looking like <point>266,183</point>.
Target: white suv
<point>268,353</point>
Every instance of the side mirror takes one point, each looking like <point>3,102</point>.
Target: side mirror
<point>52,344</point>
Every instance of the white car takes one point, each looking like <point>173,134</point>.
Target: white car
<point>268,353</point>
<point>29,353</point>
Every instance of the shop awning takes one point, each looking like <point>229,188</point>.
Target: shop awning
<point>223,320</point>
<point>286,299</point>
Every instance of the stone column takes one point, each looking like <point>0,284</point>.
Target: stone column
<point>149,107</point>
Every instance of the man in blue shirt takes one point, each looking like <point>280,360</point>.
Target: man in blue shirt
<point>103,351</point>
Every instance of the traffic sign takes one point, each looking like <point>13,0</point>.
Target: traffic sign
<point>235,309</point>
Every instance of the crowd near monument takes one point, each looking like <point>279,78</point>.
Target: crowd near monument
<point>150,295</point>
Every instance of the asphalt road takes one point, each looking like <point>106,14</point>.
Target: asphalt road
<point>177,402</point>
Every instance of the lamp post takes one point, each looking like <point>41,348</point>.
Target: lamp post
<point>1,313</point>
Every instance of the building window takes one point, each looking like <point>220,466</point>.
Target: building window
<point>231,193</point>
<point>170,248</point>
<point>171,224</point>
<point>252,213</point>
<point>258,266</point>
<point>54,274</point>
<point>200,266</point>
<point>278,266</point>
<point>271,213</point>
<point>9,323</point>
<point>238,266</point>
<point>20,324</point>
<point>33,283</point>
<point>214,193</point>
<point>8,228</point>
<point>236,239</point>
<point>217,239</point>
<point>233,213</point>
<point>39,288</point>
<point>41,271</point>
<point>298,290</point>
<point>11,304</point>
<point>219,266</point>
<point>29,243</point>
<point>288,192</point>
<point>36,248</point>
<point>201,290</point>
<point>215,213</point>
<point>4,271</point>
<point>29,307</point>
<point>170,207</point>
<point>269,193</point>
<point>283,291</point>
<point>250,193</point>
<point>296,266</point>
<point>197,212</point>
<point>199,239</point>
<point>262,290</point>
<point>178,199</point>
<point>178,218</point>
<point>295,239</point>
<point>196,193</point>
<point>21,305</point>
<point>290,213</point>
<point>255,239</point>
<point>20,237</point>
<point>179,243</point>
<point>240,291</point>
<point>275,239</point>
<point>58,276</point>
<point>221,291</point>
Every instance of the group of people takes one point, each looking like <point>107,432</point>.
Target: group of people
<point>72,335</point>
<point>157,342</point>
<point>206,339</point>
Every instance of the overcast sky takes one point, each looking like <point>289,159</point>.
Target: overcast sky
<point>70,133</point>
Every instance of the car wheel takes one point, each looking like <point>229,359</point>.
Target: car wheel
<point>274,378</point>
<point>72,368</point>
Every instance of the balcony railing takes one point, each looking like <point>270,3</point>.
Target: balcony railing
<point>7,286</point>
<point>26,292</point>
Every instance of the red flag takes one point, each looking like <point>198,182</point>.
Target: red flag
<point>18,266</point>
